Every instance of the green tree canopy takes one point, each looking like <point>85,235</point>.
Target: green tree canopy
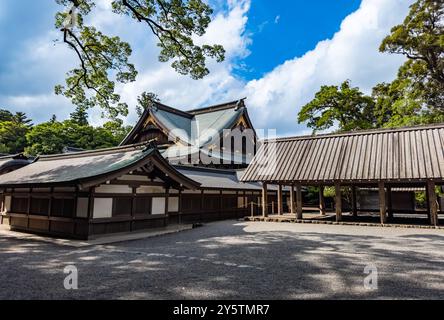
<point>52,136</point>
<point>144,101</point>
<point>104,60</point>
<point>344,106</point>
<point>416,96</point>
<point>80,116</point>
<point>6,115</point>
<point>12,137</point>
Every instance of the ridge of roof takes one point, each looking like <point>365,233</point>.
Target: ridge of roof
<point>172,110</point>
<point>204,169</point>
<point>82,154</point>
<point>356,133</point>
<point>218,107</point>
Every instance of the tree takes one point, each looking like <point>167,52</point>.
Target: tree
<point>144,101</point>
<point>345,106</point>
<point>80,116</point>
<point>12,136</point>
<point>5,115</point>
<point>416,96</point>
<point>52,136</point>
<point>421,39</point>
<point>22,118</point>
<point>117,129</point>
<point>175,23</point>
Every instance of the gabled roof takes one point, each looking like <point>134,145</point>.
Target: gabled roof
<point>192,127</point>
<point>220,179</point>
<point>88,168</point>
<point>392,155</point>
<point>12,162</point>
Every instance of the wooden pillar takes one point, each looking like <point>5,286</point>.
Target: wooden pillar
<point>264,200</point>
<point>432,204</point>
<point>338,202</point>
<point>280,201</point>
<point>179,214</point>
<point>354,202</point>
<point>292,208</point>
<point>321,201</point>
<point>382,202</point>
<point>389,203</point>
<point>299,214</point>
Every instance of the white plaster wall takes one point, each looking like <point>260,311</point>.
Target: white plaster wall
<point>191,191</point>
<point>173,204</point>
<point>7,203</point>
<point>110,188</point>
<point>103,208</point>
<point>229,192</point>
<point>151,189</point>
<point>158,206</point>
<point>134,178</point>
<point>240,202</point>
<point>212,191</point>
<point>82,207</point>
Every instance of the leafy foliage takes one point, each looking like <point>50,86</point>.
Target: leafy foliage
<point>12,136</point>
<point>144,101</point>
<point>104,60</point>
<point>416,96</point>
<point>17,134</point>
<point>346,106</point>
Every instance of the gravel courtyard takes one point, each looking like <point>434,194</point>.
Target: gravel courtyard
<point>234,260</point>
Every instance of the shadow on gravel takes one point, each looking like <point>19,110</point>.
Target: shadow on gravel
<point>224,261</point>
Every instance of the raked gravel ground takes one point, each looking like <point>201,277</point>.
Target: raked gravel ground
<point>234,260</point>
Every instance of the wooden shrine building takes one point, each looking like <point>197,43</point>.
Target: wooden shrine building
<point>141,184</point>
<point>382,159</point>
<point>200,137</point>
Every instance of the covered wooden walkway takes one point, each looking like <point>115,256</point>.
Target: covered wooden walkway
<point>382,159</point>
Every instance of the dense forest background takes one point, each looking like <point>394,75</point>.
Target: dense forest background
<point>18,134</point>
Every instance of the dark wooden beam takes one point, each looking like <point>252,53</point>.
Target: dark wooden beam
<point>280,200</point>
<point>432,203</point>
<point>321,201</point>
<point>389,203</point>
<point>382,202</point>
<point>299,213</point>
<point>264,199</point>
<point>292,202</point>
<point>338,202</point>
<point>354,200</point>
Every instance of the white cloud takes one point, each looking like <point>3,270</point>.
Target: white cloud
<point>273,100</point>
<point>39,106</point>
<point>352,53</point>
<point>227,29</point>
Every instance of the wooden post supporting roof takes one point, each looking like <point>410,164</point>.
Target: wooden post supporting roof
<point>299,214</point>
<point>280,200</point>
<point>264,200</point>
<point>292,208</point>
<point>338,202</point>
<point>389,203</point>
<point>321,201</point>
<point>432,204</point>
<point>382,202</point>
<point>354,202</point>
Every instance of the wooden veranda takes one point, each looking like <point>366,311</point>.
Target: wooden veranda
<point>382,159</point>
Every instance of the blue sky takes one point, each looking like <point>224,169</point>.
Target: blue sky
<point>278,55</point>
<point>282,30</point>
